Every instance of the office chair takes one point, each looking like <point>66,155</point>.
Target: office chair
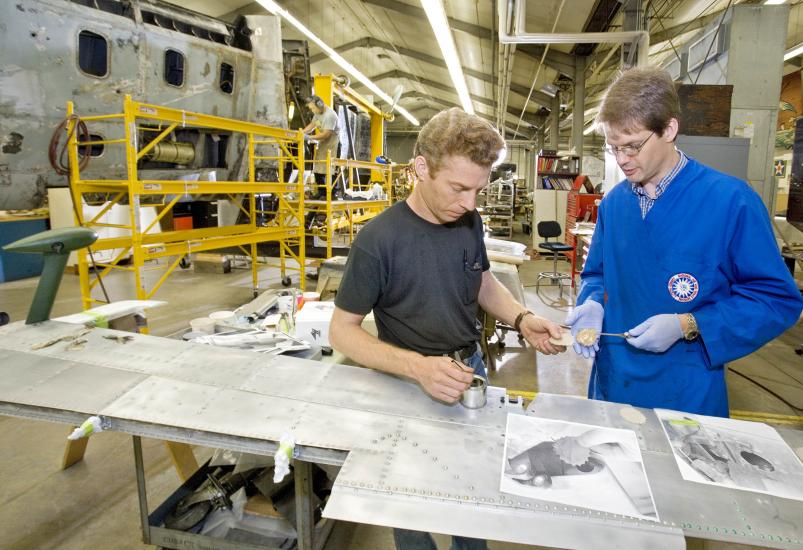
<point>548,230</point>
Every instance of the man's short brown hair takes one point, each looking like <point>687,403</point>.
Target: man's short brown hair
<point>641,97</point>
<point>456,133</point>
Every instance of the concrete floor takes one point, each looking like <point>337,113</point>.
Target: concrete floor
<point>94,504</point>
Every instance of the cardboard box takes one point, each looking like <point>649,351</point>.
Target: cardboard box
<point>211,263</point>
<point>312,322</point>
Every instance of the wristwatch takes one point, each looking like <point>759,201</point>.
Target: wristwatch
<point>692,331</point>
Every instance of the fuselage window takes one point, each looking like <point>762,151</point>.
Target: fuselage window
<point>93,54</point>
<point>95,149</point>
<point>174,68</point>
<point>226,78</point>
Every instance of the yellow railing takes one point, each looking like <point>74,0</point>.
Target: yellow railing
<point>329,216</point>
<point>279,146</point>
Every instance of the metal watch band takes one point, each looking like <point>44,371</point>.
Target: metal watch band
<point>692,330</point>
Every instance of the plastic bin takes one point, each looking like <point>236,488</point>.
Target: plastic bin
<point>16,265</point>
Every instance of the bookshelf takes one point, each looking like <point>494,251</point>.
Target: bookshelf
<point>554,177</point>
<point>555,172</point>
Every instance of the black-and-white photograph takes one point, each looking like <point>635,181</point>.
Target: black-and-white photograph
<point>576,464</point>
<point>750,456</point>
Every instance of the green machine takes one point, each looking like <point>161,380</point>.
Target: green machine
<point>56,246</point>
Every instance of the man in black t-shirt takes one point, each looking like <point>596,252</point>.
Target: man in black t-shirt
<point>421,266</point>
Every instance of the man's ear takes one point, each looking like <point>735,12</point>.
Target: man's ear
<point>421,168</point>
<point>671,130</point>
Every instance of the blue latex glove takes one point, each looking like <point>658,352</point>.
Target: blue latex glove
<point>587,315</point>
<point>656,334</point>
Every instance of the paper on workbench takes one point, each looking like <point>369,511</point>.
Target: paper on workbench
<point>576,464</point>
<point>750,456</point>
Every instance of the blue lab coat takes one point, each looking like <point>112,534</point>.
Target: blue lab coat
<point>705,247</point>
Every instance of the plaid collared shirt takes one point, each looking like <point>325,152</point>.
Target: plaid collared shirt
<point>645,201</point>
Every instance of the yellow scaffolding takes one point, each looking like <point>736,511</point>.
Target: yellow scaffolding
<point>284,147</point>
<point>338,215</point>
<point>342,214</point>
<point>327,86</point>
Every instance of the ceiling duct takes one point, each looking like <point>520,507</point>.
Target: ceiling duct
<point>512,18</point>
<point>674,68</point>
<point>705,48</point>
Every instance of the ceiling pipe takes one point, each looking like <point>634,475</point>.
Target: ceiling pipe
<point>512,17</point>
<point>540,64</point>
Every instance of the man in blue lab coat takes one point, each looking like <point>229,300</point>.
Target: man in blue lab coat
<point>683,258</point>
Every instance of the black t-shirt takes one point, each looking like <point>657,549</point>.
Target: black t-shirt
<point>421,279</point>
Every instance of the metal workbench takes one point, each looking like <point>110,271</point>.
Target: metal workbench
<point>408,461</point>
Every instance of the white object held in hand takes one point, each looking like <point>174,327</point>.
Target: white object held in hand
<point>585,317</point>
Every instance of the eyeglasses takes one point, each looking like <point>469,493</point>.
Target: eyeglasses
<point>627,150</point>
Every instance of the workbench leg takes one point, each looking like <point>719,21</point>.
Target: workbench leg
<point>305,515</point>
<point>74,451</point>
<point>139,468</point>
<point>183,459</point>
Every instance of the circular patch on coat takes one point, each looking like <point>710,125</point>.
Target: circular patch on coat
<point>683,287</point>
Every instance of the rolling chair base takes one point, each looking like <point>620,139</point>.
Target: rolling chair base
<point>554,277</point>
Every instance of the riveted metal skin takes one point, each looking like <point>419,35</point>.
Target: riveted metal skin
<point>407,460</point>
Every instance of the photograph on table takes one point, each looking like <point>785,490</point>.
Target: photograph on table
<point>750,456</point>
<point>576,464</point>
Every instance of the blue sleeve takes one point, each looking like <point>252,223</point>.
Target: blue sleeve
<point>764,300</point>
<point>591,286</point>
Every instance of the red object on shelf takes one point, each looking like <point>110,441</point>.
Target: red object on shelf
<point>182,223</point>
<point>583,182</point>
<point>580,207</point>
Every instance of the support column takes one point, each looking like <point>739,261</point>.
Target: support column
<point>755,51</point>
<point>578,118</point>
<point>554,121</point>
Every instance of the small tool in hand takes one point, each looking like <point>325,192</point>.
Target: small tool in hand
<point>462,366</point>
<point>619,334</point>
<point>585,337</point>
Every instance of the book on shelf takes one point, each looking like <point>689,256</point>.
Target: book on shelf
<point>546,164</point>
<point>556,182</point>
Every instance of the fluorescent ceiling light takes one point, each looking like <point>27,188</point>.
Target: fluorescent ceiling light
<point>590,129</point>
<point>793,52</point>
<point>275,8</point>
<point>440,26</point>
<point>774,2</point>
